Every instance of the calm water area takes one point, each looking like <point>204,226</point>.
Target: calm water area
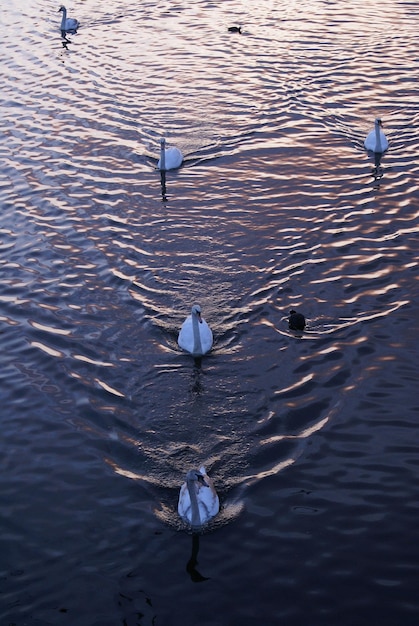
<point>311,437</point>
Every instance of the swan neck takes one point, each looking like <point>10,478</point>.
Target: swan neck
<point>377,138</point>
<point>64,18</point>
<point>162,155</point>
<point>196,518</point>
<point>197,345</point>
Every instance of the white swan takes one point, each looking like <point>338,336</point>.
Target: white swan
<point>198,500</point>
<point>376,141</point>
<point>195,335</point>
<point>68,24</point>
<point>170,158</point>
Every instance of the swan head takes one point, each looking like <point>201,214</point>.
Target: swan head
<point>378,121</point>
<point>62,8</point>
<point>196,310</point>
<point>195,476</point>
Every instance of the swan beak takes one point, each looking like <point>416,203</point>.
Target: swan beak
<point>199,318</point>
<point>201,480</point>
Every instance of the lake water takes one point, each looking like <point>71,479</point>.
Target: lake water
<point>310,438</point>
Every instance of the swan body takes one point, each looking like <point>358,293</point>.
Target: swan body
<point>195,335</point>
<point>376,141</point>
<point>296,321</point>
<point>68,24</point>
<point>170,158</point>
<point>198,500</point>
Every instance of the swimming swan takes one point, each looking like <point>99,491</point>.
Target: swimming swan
<point>170,158</point>
<point>68,24</point>
<point>198,500</point>
<point>195,335</point>
<point>296,321</point>
<point>376,141</point>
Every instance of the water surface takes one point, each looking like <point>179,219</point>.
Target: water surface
<point>310,437</point>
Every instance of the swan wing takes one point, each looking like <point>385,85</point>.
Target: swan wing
<point>369,142</point>
<point>206,336</point>
<point>71,25</point>
<point>384,141</point>
<point>184,504</point>
<point>186,339</point>
<point>209,504</point>
<point>174,158</point>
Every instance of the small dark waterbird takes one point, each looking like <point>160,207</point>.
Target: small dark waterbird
<point>235,29</point>
<point>296,321</point>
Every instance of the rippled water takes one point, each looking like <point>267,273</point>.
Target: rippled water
<point>310,437</point>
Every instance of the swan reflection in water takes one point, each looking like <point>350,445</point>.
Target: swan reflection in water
<point>196,576</point>
<point>170,159</point>
<point>65,41</point>
<point>197,386</point>
<point>163,185</point>
<point>377,170</point>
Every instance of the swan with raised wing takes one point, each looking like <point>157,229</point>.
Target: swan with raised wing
<point>195,335</point>
<point>170,158</point>
<point>376,141</point>
<point>198,500</point>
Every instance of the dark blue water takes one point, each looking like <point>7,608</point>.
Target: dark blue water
<point>310,438</point>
